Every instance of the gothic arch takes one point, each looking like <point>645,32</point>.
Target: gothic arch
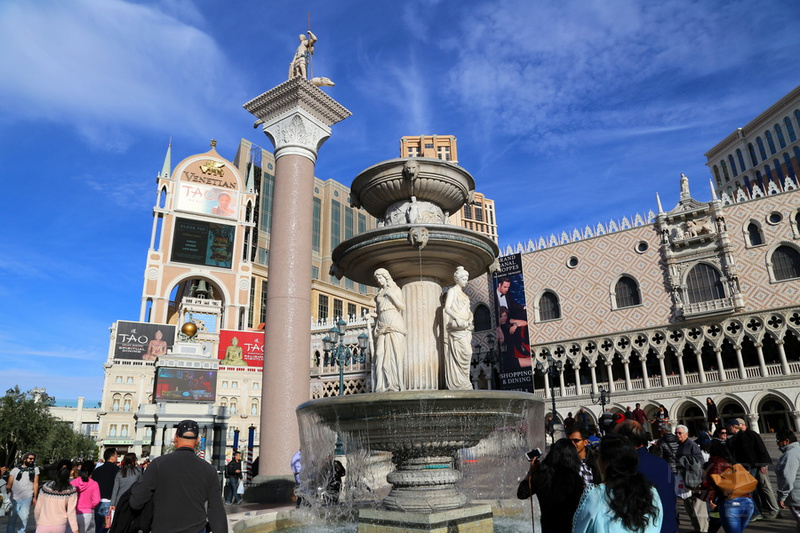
<point>768,259</point>
<point>613,291</point>
<point>755,403</point>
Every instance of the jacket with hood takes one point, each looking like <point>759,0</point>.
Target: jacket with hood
<point>88,495</point>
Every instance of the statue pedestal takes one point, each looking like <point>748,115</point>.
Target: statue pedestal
<point>423,338</point>
<point>472,519</point>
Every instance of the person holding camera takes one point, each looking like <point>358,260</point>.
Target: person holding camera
<point>556,481</point>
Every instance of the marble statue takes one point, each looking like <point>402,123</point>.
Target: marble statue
<point>389,334</point>
<point>299,65</point>
<point>458,333</point>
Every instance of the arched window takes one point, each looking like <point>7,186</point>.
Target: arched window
<point>790,129</point>
<point>115,402</point>
<point>797,117</point>
<point>733,165</point>
<point>761,148</point>
<point>752,151</point>
<point>716,175</point>
<point>234,405</point>
<point>788,162</point>
<point>771,143</point>
<point>126,404</point>
<point>482,318</point>
<point>626,292</point>
<point>703,284</point>
<point>769,174</point>
<point>754,234</point>
<point>742,167</point>
<point>785,263</point>
<point>254,407</point>
<point>779,133</point>
<point>549,308</point>
<point>724,170</point>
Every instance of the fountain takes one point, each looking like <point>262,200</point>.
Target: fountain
<point>420,347</point>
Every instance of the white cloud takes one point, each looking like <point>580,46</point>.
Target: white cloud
<point>106,66</point>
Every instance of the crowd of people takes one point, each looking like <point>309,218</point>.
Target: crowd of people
<point>622,478</point>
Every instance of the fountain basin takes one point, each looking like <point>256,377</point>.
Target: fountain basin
<point>423,430</point>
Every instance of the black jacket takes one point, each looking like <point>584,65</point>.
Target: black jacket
<point>748,448</point>
<point>104,475</point>
<point>128,520</point>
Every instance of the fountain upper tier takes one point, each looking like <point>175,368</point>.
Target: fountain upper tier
<point>396,180</point>
<point>412,198</point>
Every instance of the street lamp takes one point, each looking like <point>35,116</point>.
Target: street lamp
<point>603,398</point>
<point>335,350</point>
<point>554,367</point>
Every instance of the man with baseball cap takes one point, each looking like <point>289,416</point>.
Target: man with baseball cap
<point>184,488</point>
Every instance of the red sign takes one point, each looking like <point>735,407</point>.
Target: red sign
<point>241,348</point>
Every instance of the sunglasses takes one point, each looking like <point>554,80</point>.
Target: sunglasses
<point>577,440</point>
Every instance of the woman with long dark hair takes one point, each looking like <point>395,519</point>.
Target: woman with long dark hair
<point>712,414</point>
<point>55,506</point>
<point>88,497</point>
<point>129,473</point>
<point>735,513</point>
<point>626,502</point>
<point>557,482</point>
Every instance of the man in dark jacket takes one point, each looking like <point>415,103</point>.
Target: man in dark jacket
<point>748,448</point>
<point>184,488</point>
<point>689,464</point>
<point>234,474</point>
<point>589,469</point>
<point>104,475</point>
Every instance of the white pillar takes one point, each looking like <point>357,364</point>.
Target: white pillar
<point>761,364</point>
<point>701,371</point>
<point>740,363</point>
<point>645,377</point>
<point>720,366</point>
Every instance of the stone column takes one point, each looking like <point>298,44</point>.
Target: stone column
<point>138,440</point>
<point>645,377</point>
<point>610,376</point>
<point>720,366</point>
<point>762,365</point>
<point>626,368</point>
<point>423,342</point>
<point>740,363</point>
<point>578,387</point>
<point>782,356</point>
<point>701,371</point>
<point>752,422</point>
<point>158,443</point>
<point>681,370</point>
<point>297,118</point>
<point>592,371</point>
<point>662,369</point>
<point>562,388</point>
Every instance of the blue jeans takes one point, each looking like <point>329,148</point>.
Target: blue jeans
<point>735,514</point>
<point>100,513</point>
<point>20,510</point>
<point>233,486</point>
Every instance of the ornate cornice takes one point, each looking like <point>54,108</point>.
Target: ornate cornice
<point>297,93</point>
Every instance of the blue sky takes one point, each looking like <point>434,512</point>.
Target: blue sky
<point>567,113</point>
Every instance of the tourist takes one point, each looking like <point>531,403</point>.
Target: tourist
<point>606,421</point>
<point>233,471</point>
<point>639,415</point>
<point>556,482</point>
<point>788,471</point>
<point>689,465</point>
<point>748,449</point>
<point>712,414</point>
<point>104,475</point>
<point>626,501</point>
<point>129,474</point>
<point>334,485</point>
<point>184,489</point>
<point>569,423</point>
<point>733,513</point>
<point>668,446</point>
<point>721,434</point>
<point>22,487</point>
<point>589,470</point>
<point>88,496</point>
<point>55,506</point>
<point>661,420</point>
<point>656,470</point>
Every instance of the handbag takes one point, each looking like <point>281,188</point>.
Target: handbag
<point>240,488</point>
<point>109,519</point>
<point>735,482</point>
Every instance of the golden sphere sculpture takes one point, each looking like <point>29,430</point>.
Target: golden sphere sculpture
<point>189,329</point>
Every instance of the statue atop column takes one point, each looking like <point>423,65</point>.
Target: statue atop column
<point>302,56</point>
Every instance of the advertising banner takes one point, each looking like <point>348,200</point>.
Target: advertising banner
<point>143,341</point>
<point>177,384</point>
<point>202,243</point>
<point>207,200</point>
<point>241,348</point>
<point>512,325</point>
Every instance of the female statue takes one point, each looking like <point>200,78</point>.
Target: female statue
<point>458,333</point>
<point>390,334</point>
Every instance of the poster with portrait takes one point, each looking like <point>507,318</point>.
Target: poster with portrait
<point>142,341</point>
<point>512,325</point>
<point>183,385</point>
<point>202,243</point>
<point>208,200</point>
<point>241,348</point>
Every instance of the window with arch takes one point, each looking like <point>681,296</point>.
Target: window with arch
<point>716,175</point>
<point>752,151</point>
<point>234,405</point>
<point>112,430</point>
<point>769,173</point>
<point>223,402</point>
<point>254,407</point>
<point>777,167</point>
<point>779,133</point>
<point>703,284</point>
<point>754,236</point>
<point>115,402</point>
<point>790,129</point>
<point>549,307</point>
<point>482,318</point>
<point>626,293</point>
<point>770,142</point>
<point>788,162</point>
<point>739,156</point>
<point>761,149</point>
<point>785,263</point>
<point>124,432</point>
<point>126,404</point>
<point>725,170</point>
<point>733,165</point>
